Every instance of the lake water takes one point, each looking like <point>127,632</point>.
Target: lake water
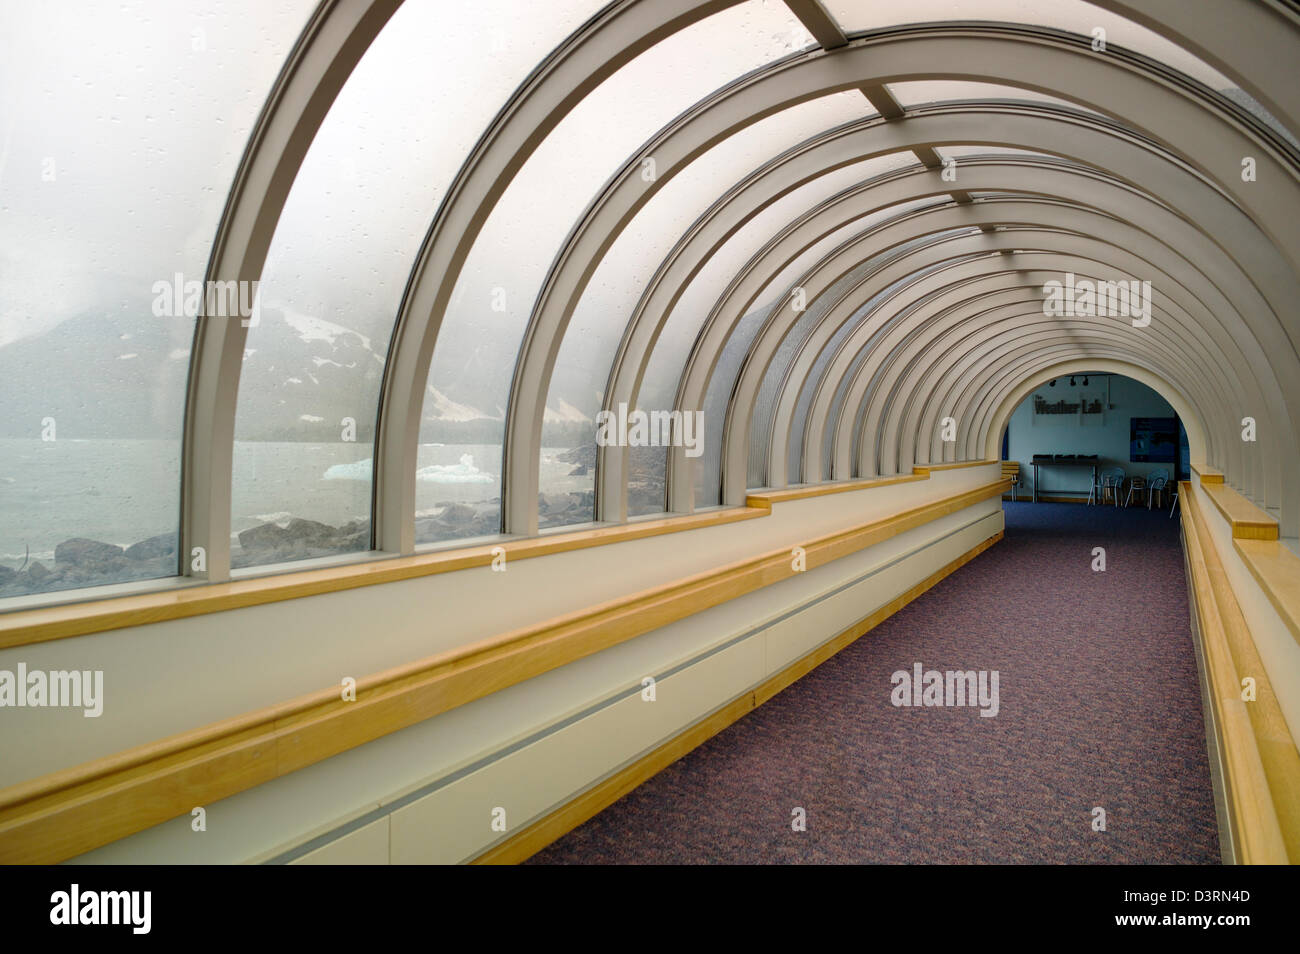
<point>124,491</point>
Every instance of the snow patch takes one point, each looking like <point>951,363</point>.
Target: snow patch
<point>445,409</point>
<point>318,329</point>
<point>566,412</point>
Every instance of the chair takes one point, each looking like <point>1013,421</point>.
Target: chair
<point>1011,472</point>
<point>1136,483</point>
<point>1112,479</point>
<point>1157,481</point>
<point>1174,506</point>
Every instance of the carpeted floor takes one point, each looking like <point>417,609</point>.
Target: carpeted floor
<point>1099,707</point>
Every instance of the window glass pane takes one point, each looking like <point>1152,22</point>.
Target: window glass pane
<point>1075,16</point>
<point>896,310</point>
<point>598,323</point>
<point>774,376</point>
<point>1256,109</point>
<point>813,382</point>
<point>664,369</point>
<point>841,395</point>
<point>381,163</point>
<point>799,420</point>
<point>473,361</point>
<point>121,126</point>
<point>708,472</point>
<point>864,314</point>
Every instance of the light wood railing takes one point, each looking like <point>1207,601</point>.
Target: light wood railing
<point>67,813</point>
<point>1260,762</point>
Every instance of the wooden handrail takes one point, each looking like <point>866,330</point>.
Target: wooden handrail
<point>928,469</point>
<point>1277,571</point>
<point>67,813</point>
<point>22,627</point>
<point>1275,567</point>
<point>1260,759</point>
<point>1248,521</point>
<point>41,624</point>
<point>765,498</point>
<point>1208,475</point>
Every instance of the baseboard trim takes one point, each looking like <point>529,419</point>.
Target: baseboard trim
<point>532,839</point>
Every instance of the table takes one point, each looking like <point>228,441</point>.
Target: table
<point>1059,460</point>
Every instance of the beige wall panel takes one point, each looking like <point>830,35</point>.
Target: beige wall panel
<point>454,823</point>
<point>368,845</point>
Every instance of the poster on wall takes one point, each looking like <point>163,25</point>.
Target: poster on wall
<point>1153,439</point>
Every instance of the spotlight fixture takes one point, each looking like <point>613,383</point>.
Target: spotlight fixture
<point>1085,380</point>
<point>1072,380</point>
<point>1052,383</point>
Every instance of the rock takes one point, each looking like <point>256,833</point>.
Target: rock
<point>311,533</point>
<point>354,541</point>
<point>477,523</point>
<point>86,553</point>
<point>37,574</point>
<point>579,471</point>
<point>642,499</point>
<point>7,574</point>
<point>426,530</point>
<point>487,522</point>
<point>263,536</point>
<point>163,545</point>
<point>297,537</point>
<point>457,515</point>
<point>353,527</point>
<point>582,454</point>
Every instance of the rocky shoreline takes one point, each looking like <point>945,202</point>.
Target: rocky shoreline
<point>81,562</point>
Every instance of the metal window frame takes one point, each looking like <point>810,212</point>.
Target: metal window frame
<point>1250,41</point>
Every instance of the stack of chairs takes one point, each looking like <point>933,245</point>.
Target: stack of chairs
<point>1112,481</point>
<point>1011,472</point>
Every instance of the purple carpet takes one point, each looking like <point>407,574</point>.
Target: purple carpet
<point>1099,707</point>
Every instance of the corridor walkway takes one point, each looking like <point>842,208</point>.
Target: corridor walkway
<point>1099,707</point>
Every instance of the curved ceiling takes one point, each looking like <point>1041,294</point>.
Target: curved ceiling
<point>825,296</point>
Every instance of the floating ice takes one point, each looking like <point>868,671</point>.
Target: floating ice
<point>359,470</point>
<point>463,473</point>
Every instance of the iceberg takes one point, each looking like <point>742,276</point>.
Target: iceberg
<point>359,470</point>
<point>463,473</point>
